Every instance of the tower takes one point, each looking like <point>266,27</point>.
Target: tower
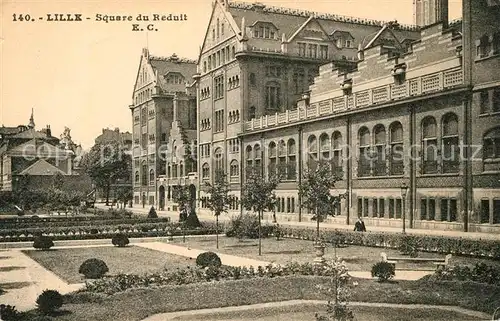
<point>427,12</point>
<point>32,120</point>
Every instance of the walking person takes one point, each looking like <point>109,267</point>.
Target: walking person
<point>360,225</point>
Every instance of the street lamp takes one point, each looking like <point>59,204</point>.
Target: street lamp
<point>404,191</point>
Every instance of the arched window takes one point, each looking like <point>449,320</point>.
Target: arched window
<point>273,96</point>
<point>397,151</point>
<point>251,113</point>
<point>257,157</point>
<point>205,171</point>
<point>181,169</point>
<point>219,160</point>
<point>312,151</point>
<point>137,178</point>
<point>291,171</point>
<point>151,177</point>
<point>169,171</point>
<point>451,148</point>
<point>282,158</point>
<point>379,166</point>
<point>218,28</point>
<point>324,146</point>
<point>144,173</point>
<point>337,154</point>
<point>429,145</point>
<point>249,156</point>
<point>272,159</point>
<point>234,168</point>
<point>483,46</point>
<point>364,166</point>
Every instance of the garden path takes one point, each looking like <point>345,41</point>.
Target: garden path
<point>185,314</point>
<point>24,280</point>
<point>226,259</point>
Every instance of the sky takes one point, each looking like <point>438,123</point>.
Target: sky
<point>81,74</point>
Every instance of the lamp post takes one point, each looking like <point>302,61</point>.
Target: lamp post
<point>404,191</point>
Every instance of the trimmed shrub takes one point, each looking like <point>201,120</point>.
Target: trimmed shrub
<point>43,242</point>
<point>208,259</point>
<point>93,269</point>
<point>192,220</point>
<point>49,301</point>
<point>94,231</point>
<point>408,246</point>
<point>152,213</point>
<point>8,313</point>
<point>120,240</point>
<point>383,271</point>
<point>244,226</point>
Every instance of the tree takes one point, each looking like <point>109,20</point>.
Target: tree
<point>124,194</point>
<point>258,193</point>
<point>57,180</point>
<point>219,199</point>
<point>181,195</point>
<point>106,163</point>
<point>315,193</point>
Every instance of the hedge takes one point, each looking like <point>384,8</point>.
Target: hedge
<point>423,243</point>
<point>103,231</point>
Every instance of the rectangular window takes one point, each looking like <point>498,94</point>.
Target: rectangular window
<point>292,210</point>
<point>312,51</point>
<point>399,208</point>
<point>432,209</point>
<point>360,207</point>
<point>365,207</point>
<point>288,204</point>
<point>218,87</point>
<point>444,209</point>
<point>453,210</point>
<point>375,207</point>
<point>484,102</point>
<point>496,211</point>
<point>323,49</point>
<point>381,207</point>
<point>485,211</point>
<point>496,100</point>
<point>423,209</point>
<point>302,49</point>
<point>429,165</point>
<point>391,208</point>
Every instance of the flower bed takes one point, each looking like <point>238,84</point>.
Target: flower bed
<point>122,282</point>
<point>424,243</point>
<point>78,221</point>
<point>480,272</point>
<point>103,231</point>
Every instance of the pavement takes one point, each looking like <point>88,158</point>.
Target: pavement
<point>289,220</point>
<point>24,280</point>
<point>183,315</point>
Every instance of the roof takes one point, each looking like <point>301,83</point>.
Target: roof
<point>30,134</point>
<point>9,130</point>
<point>288,21</point>
<point>42,167</point>
<point>165,65</point>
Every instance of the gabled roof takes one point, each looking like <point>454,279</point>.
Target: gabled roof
<point>385,30</point>
<point>307,22</point>
<point>34,146</point>
<point>42,167</point>
<point>30,133</point>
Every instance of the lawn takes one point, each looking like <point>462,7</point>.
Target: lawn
<point>137,304</point>
<point>357,258</point>
<point>131,259</point>
<point>306,312</point>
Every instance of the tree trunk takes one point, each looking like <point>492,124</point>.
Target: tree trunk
<point>108,188</point>
<point>317,225</point>
<point>217,231</point>
<point>260,236</point>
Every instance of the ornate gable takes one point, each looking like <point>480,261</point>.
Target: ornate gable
<point>310,30</point>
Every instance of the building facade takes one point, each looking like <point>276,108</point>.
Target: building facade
<point>37,155</point>
<point>426,117</point>
<point>160,84</point>
<point>256,62</point>
<point>428,12</point>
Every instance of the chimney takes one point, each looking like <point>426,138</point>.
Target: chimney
<point>117,129</point>
<point>243,27</point>
<point>442,12</point>
<point>361,53</point>
<point>48,131</point>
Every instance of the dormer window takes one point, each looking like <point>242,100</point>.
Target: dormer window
<point>264,30</point>
<point>340,42</point>
<point>342,39</point>
<point>174,78</point>
<point>348,44</point>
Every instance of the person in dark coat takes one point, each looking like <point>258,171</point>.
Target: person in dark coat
<point>360,225</point>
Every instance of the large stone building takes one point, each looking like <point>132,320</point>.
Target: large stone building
<point>257,60</point>
<point>394,105</point>
<point>37,155</point>
<point>162,85</point>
